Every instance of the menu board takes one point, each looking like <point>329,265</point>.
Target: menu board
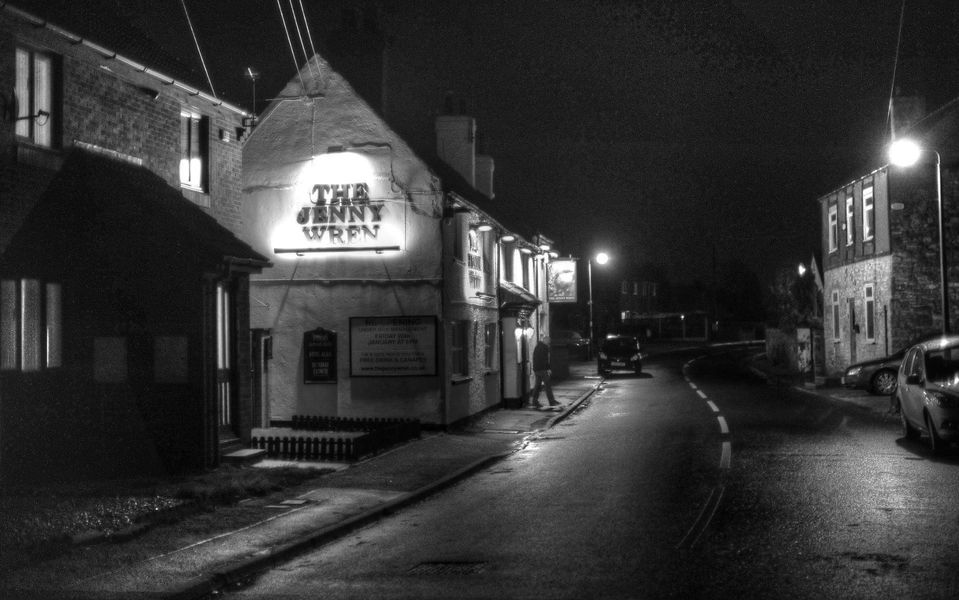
<point>392,346</point>
<point>319,356</point>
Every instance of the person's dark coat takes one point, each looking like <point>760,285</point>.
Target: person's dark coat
<point>541,357</point>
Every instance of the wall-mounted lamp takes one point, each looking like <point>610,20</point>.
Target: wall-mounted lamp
<point>41,117</point>
<point>525,250</point>
<point>507,238</point>
<point>484,226</point>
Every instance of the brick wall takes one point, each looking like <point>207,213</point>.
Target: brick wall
<point>110,106</point>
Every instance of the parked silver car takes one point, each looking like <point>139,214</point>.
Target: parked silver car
<point>880,375</point>
<point>928,392</point>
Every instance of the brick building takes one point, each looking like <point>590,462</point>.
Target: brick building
<point>880,248</point>
<point>124,311</point>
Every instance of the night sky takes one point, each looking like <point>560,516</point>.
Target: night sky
<point>661,131</point>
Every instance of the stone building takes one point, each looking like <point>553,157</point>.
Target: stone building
<point>880,248</point>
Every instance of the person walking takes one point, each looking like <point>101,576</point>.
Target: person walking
<point>541,369</point>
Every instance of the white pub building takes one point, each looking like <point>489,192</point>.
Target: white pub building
<point>386,297</point>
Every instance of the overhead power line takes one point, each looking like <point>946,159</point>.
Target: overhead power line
<point>198,51</point>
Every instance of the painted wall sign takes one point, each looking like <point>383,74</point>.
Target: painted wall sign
<point>561,281</point>
<point>334,210</point>
<point>319,356</point>
<point>393,346</point>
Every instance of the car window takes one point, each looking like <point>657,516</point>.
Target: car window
<point>942,366</point>
<point>614,344</point>
<point>912,365</point>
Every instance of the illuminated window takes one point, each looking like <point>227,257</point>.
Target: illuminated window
<point>833,228</point>
<point>850,221</point>
<point>870,313</point>
<point>34,89</point>
<point>460,364</point>
<point>490,335</point>
<point>194,151</point>
<point>868,214</point>
<point>31,326</point>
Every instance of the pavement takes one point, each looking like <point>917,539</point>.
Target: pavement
<point>202,555</point>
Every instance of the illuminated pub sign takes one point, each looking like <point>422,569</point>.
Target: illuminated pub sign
<point>335,211</point>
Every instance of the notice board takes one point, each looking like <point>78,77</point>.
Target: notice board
<point>319,356</point>
<point>393,346</point>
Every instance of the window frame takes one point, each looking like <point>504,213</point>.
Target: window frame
<point>27,128</point>
<point>194,146</point>
<point>459,349</point>
<point>870,311</point>
<point>833,228</point>
<point>868,213</point>
<point>31,325</point>
<point>850,220</point>
<point>491,338</point>
<point>836,329</point>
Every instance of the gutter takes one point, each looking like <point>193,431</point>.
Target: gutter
<point>111,55</point>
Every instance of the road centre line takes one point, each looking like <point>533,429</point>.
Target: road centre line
<point>699,526</point>
<point>723,427</point>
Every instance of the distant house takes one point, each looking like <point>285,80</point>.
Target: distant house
<point>880,248</point>
<point>124,327</point>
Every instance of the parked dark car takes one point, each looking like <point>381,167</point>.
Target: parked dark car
<point>577,345</point>
<point>878,376</point>
<point>620,353</point>
<point>928,391</point>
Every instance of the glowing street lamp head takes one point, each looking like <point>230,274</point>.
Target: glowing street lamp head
<point>602,258</point>
<point>904,152</point>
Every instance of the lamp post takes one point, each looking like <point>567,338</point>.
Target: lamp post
<point>905,153</point>
<point>601,259</point>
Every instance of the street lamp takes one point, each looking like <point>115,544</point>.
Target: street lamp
<point>601,259</point>
<point>905,153</point>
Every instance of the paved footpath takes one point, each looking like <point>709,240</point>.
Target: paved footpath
<point>196,556</point>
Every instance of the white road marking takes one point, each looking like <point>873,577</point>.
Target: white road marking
<point>701,394</point>
<point>723,427</point>
<point>727,456</point>
<point>713,406</point>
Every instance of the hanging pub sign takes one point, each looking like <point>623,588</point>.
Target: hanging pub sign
<point>392,346</point>
<point>319,356</point>
<point>561,281</point>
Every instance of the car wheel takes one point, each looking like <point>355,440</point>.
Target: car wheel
<point>908,431</point>
<point>935,443</point>
<point>883,383</point>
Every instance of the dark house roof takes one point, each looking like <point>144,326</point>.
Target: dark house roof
<point>100,209</point>
<point>504,212</point>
